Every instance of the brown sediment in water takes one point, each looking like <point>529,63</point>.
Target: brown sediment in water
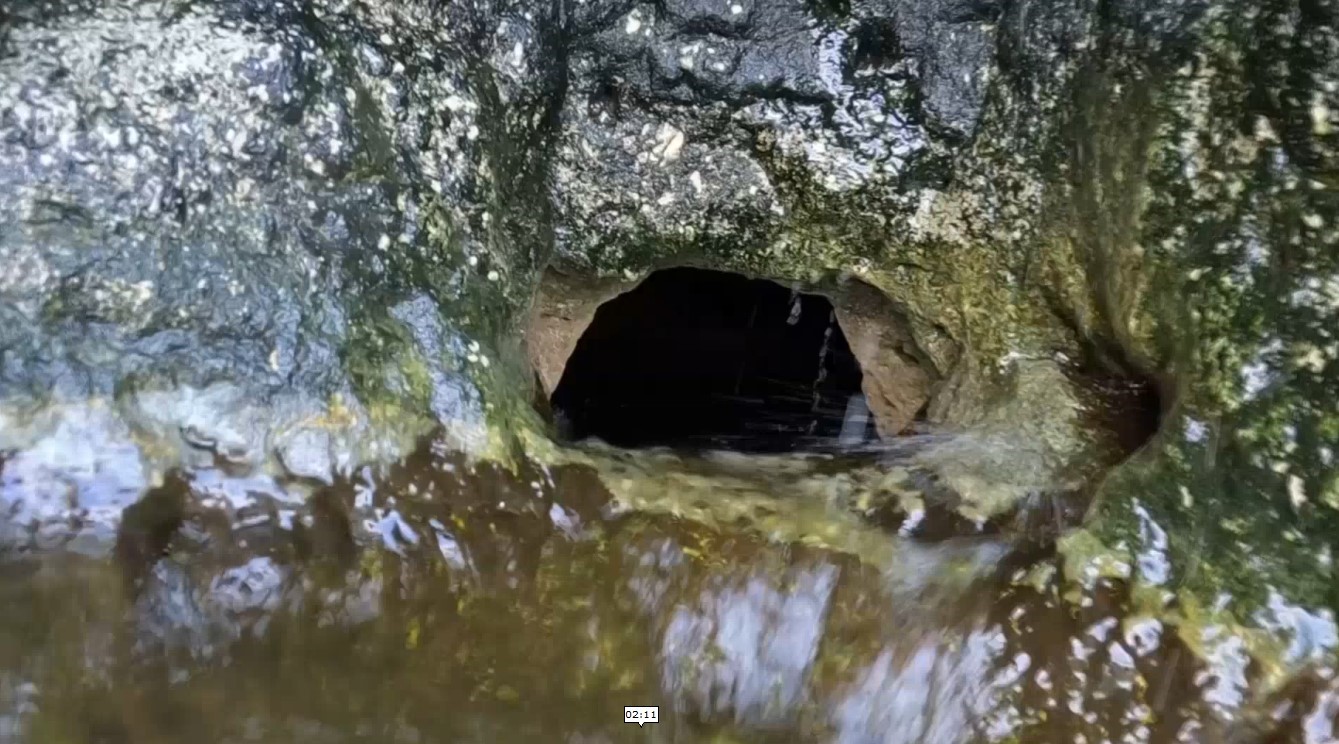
<point>445,599</point>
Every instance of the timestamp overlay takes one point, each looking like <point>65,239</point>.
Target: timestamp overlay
<point>641,714</point>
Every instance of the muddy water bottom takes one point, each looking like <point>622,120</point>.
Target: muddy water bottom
<point>444,602</point>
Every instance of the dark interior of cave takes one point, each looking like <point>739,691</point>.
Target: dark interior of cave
<point>694,358</point>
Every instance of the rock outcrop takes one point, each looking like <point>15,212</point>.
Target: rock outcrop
<point>286,238</point>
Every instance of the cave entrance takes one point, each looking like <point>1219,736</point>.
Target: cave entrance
<point>701,358</point>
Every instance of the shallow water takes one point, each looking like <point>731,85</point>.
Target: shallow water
<point>446,602</point>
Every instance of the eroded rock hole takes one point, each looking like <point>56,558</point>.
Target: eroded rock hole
<point>704,358</point>
<point>1126,406</point>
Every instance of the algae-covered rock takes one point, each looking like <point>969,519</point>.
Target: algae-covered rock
<point>246,227</point>
<point>289,238</point>
<point>1144,189</point>
<point>1230,293</point>
<point>296,239</point>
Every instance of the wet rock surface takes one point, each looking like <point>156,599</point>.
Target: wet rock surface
<point>699,126</point>
<point>285,240</point>
<point>230,231</point>
<point>251,252</point>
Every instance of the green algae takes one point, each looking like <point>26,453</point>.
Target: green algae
<point>1238,476</point>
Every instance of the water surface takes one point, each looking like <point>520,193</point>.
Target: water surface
<point>751,597</point>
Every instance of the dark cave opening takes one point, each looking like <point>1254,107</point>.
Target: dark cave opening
<point>697,358</point>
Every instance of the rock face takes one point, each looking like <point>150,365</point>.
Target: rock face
<point>563,309</point>
<point>293,238</point>
<point>254,232</point>
<point>704,123</point>
<point>813,144</point>
<point>288,237</point>
<point>897,377</point>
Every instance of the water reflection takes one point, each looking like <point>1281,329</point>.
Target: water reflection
<point>449,601</point>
